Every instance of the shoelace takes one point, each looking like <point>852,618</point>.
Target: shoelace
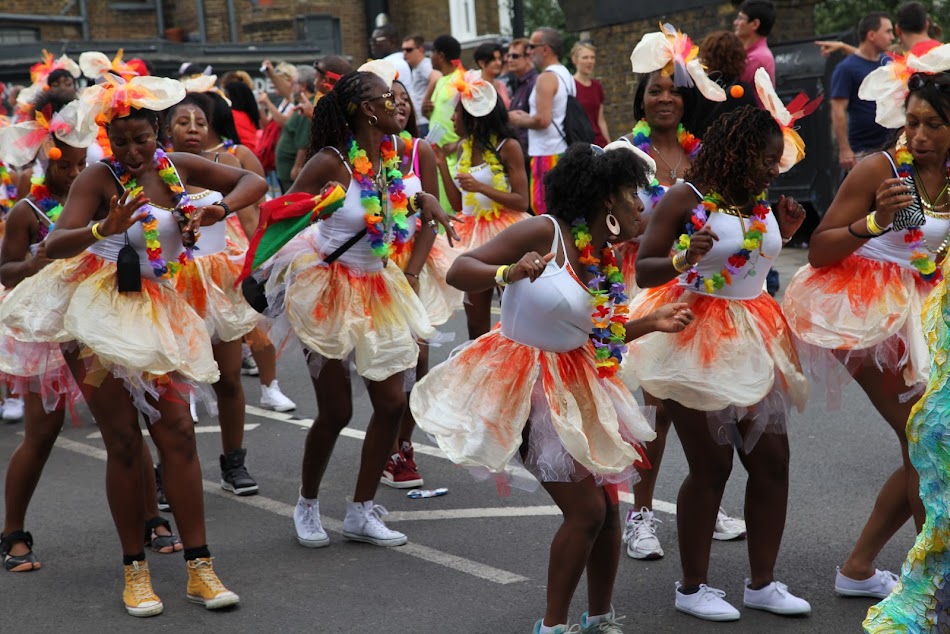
<point>310,517</point>
<point>885,576</point>
<point>375,515</point>
<point>140,584</point>
<point>644,524</point>
<point>205,572</point>
<point>611,624</point>
<point>710,594</point>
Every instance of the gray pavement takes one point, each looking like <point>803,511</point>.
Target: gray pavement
<point>476,561</point>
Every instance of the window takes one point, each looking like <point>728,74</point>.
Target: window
<point>18,35</point>
<point>462,16</point>
<point>321,32</point>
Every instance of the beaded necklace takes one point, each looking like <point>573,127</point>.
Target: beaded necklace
<point>386,225</point>
<point>498,179</point>
<point>926,266</point>
<point>9,189</point>
<point>641,139</point>
<point>610,306</point>
<point>182,212</point>
<point>51,207</point>
<point>752,237</point>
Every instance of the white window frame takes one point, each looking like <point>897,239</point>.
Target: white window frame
<point>463,20</point>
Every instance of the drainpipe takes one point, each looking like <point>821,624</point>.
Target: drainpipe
<point>232,21</point>
<point>159,18</point>
<point>202,27</point>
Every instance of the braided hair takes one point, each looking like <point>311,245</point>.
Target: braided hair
<point>335,114</point>
<point>733,151</point>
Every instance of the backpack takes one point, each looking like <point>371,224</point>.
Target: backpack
<point>577,127</point>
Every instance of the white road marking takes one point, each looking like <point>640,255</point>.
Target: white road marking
<point>454,562</point>
<point>470,514</point>
<point>199,429</point>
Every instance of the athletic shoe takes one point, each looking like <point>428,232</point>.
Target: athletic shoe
<point>639,535</point>
<point>879,586</point>
<point>398,475</point>
<point>205,587</point>
<point>18,563</point>
<point>608,624</point>
<point>163,544</point>
<point>558,629</point>
<point>163,504</point>
<point>707,604</point>
<point>363,523</point>
<point>138,596</point>
<point>272,398</point>
<point>249,366</point>
<point>728,528</point>
<point>775,598</point>
<point>234,475</point>
<point>12,409</point>
<point>307,523</point>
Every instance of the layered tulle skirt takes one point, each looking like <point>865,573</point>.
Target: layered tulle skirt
<point>475,231</point>
<point>865,311</point>
<point>736,361</point>
<point>152,340</point>
<point>496,404</point>
<point>627,257</point>
<point>207,284</point>
<point>439,298</point>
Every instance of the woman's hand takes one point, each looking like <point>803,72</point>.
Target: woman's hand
<point>39,260</point>
<point>700,243</point>
<point>439,154</point>
<point>469,183</point>
<point>671,318</point>
<point>433,215</point>
<point>790,215</point>
<point>123,213</point>
<point>413,282</point>
<point>892,196</point>
<point>530,266</point>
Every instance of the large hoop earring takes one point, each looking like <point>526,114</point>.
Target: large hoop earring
<point>373,119</point>
<point>613,225</point>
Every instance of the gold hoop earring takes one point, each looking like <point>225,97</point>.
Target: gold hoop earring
<point>373,119</point>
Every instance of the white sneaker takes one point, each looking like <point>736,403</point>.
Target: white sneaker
<point>193,406</point>
<point>13,408</point>
<point>639,534</point>
<point>363,523</point>
<point>273,398</point>
<point>310,531</point>
<point>775,598</point>
<point>708,604</point>
<point>879,586</point>
<point>728,528</point>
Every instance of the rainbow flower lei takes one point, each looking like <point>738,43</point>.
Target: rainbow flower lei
<point>9,189</point>
<point>610,306</point>
<point>183,210</point>
<point>752,238</point>
<point>46,203</point>
<point>641,139</point>
<point>498,179</point>
<point>388,231</point>
<point>926,267</point>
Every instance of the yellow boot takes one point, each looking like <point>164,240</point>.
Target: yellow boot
<point>205,587</point>
<point>139,598</point>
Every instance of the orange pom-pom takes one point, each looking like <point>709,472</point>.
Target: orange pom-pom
<point>101,120</point>
<point>54,154</point>
<point>737,91</point>
<point>46,87</point>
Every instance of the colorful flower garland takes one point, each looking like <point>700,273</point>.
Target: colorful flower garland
<point>499,179</point>
<point>610,306</point>
<point>51,207</point>
<point>641,139</point>
<point>386,226</point>
<point>409,142</point>
<point>9,189</point>
<point>926,267</point>
<point>182,212</point>
<point>752,239</point>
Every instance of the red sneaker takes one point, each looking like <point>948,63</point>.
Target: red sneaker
<point>398,475</point>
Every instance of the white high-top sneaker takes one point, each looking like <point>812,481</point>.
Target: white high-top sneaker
<point>363,523</point>
<point>310,531</point>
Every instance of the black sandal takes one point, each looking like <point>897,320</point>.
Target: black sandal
<point>164,544</point>
<point>18,563</point>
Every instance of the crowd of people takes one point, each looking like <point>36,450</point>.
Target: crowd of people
<point>147,256</point>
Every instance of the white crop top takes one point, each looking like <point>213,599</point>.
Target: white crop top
<point>483,174</point>
<point>553,313</point>
<point>212,238</point>
<point>749,283</point>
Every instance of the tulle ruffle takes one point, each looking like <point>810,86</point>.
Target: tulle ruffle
<point>478,402</point>
<point>440,299</point>
<point>475,232</point>
<point>38,368</point>
<point>207,284</point>
<point>234,233</point>
<point>627,256</point>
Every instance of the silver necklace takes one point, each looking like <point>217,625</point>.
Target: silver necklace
<point>673,170</point>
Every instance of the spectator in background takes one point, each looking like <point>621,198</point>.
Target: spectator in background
<point>548,103</point>
<point>488,58</point>
<point>237,75</point>
<point>723,55</point>
<point>440,105</point>
<point>284,78</point>
<point>523,75</point>
<point>590,92</point>
<point>295,136</point>
<point>422,78</point>
<point>329,69</point>
<point>62,81</point>
<point>247,118</point>
<point>912,28</point>
<point>752,25</point>
<point>856,132</point>
<point>386,44</point>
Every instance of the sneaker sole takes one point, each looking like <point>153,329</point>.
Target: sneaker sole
<point>406,484</point>
<point>165,507</point>
<point>710,617</point>
<point>865,594</point>
<point>250,372</point>
<point>152,610</point>
<point>216,603</point>
<point>786,612</point>
<point>388,543</point>
<point>313,543</point>
<point>242,491</point>
<point>25,567</point>
<point>650,556</point>
<point>279,408</point>
<point>728,537</point>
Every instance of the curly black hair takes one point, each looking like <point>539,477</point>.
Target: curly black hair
<point>733,151</point>
<point>689,94</point>
<point>934,89</point>
<point>580,183</point>
<point>482,129</point>
<point>335,114</point>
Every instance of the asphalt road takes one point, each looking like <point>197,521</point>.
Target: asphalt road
<point>476,562</point>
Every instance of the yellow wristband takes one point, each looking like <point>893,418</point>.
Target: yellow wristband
<point>95,232</point>
<point>873,227</point>
<point>680,263</point>
<point>500,275</point>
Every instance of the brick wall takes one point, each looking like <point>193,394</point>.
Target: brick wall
<point>614,44</point>
<point>105,23</point>
<point>429,17</point>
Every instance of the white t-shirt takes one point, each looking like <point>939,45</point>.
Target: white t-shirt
<point>548,142</point>
<point>417,87</point>
<point>399,62</point>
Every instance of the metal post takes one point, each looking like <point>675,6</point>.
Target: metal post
<point>84,14</point>
<point>160,18</point>
<point>232,21</point>
<point>202,27</point>
<point>517,19</point>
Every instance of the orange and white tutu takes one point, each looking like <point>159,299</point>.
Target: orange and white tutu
<point>475,231</point>
<point>234,232</point>
<point>867,311</point>
<point>478,403</point>
<point>151,340</point>
<point>627,256</point>
<point>737,361</point>
<point>338,312</point>
<point>208,285</point>
<point>440,299</point>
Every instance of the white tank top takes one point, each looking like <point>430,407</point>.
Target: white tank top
<point>892,246</point>
<point>553,313</point>
<point>482,173</point>
<point>412,184</point>
<point>729,228</point>
<point>548,141</point>
<point>213,238</point>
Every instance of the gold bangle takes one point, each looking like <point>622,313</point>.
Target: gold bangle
<point>680,263</point>
<point>500,275</point>
<point>95,233</point>
<point>873,227</point>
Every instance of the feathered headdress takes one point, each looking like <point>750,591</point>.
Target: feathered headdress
<point>887,85</point>
<point>477,96</point>
<point>672,52</point>
<point>95,65</point>
<point>40,71</point>
<point>114,98</point>
<point>785,116</point>
<point>21,143</point>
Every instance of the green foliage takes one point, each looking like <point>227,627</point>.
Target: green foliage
<point>539,13</point>
<point>834,16</point>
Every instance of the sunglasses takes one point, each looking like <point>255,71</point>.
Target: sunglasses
<point>385,95</point>
<point>408,49</point>
<point>531,47</point>
<point>515,55</point>
<point>919,80</point>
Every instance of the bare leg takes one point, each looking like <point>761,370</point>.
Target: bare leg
<point>643,490</point>
<point>389,402</point>
<point>266,358</point>
<point>478,313</point>
<point>230,394</point>
<point>603,561</point>
<point>408,423</point>
<point>334,410</point>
